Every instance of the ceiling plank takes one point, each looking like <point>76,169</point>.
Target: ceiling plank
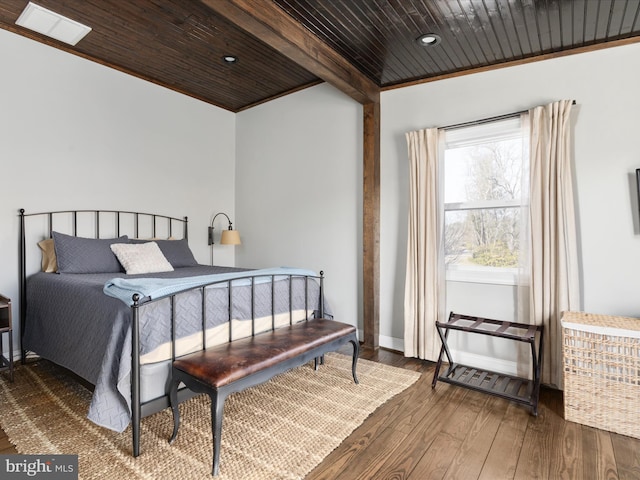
<point>272,25</point>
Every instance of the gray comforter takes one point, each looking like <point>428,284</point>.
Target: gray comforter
<point>71,322</point>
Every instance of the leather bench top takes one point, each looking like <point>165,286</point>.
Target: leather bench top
<point>223,364</point>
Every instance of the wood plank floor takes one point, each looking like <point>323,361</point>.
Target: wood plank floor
<point>453,433</point>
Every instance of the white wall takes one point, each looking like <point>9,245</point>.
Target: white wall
<point>75,134</point>
<point>299,190</point>
<point>604,84</point>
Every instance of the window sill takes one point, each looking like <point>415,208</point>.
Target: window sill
<point>489,275</point>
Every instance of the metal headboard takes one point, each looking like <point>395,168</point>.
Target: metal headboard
<point>118,216</point>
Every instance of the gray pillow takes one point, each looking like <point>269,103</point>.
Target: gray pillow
<point>86,255</point>
<point>176,251</point>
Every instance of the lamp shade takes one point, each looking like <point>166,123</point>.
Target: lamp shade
<point>230,237</point>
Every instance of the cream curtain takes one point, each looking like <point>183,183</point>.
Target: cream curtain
<point>424,285</point>
<point>554,282</point>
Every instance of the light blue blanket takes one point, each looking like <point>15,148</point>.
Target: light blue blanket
<point>125,288</point>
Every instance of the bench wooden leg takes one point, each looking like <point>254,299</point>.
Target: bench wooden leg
<point>356,353</point>
<point>173,398</point>
<point>354,361</point>
<point>217,409</point>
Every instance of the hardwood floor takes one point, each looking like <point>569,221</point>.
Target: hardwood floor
<point>6,448</point>
<point>453,433</point>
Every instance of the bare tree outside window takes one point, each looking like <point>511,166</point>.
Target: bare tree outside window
<point>482,204</point>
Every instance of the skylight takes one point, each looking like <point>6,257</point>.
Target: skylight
<point>39,19</point>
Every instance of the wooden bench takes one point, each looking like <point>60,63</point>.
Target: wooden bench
<point>234,366</point>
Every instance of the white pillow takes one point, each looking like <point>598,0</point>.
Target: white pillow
<point>141,257</point>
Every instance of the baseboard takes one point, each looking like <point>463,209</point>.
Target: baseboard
<point>391,343</point>
<point>387,342</point>
<point>482,362</point>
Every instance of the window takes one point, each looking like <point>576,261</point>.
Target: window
<point>485,187</point>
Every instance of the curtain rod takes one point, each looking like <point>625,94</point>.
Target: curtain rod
<point>487,120</point>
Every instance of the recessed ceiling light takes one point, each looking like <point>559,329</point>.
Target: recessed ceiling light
<point>39,19</point>
<point>428,40</point>
<point>230,59</point>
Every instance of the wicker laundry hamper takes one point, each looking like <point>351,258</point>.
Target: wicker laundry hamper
<point>601,363</point>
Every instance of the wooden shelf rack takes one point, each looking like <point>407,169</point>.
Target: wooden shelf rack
<point>518,389</point>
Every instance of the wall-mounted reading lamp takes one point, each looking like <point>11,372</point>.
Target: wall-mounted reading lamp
<point>228,237</point>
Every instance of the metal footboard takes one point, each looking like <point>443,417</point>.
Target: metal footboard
<point>140,409</point>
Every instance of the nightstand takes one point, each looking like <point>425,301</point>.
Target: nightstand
<point>6,362</point>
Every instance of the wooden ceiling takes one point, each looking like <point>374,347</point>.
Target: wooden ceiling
<point>379,36</point>
<point>358,45</point>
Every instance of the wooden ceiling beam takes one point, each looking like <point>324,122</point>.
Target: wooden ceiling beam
<point>267,22</point>
<point>273,26</point>
<point>371,224</point>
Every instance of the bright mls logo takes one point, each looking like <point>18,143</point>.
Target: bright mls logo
<point>51,467</point>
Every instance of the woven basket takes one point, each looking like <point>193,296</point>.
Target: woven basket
<point>602,371</point>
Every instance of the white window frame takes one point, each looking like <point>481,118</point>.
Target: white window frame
<point>485,133</point>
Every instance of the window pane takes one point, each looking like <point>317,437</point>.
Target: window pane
<point>488,171</point>
<point>483,237</point>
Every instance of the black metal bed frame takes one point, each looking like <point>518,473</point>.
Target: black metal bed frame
<point>139,409</point>
<point>117,214</point>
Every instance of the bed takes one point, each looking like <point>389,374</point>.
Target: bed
<point>120,331</point>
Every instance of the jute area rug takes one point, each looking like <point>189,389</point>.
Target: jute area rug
<point>279,430</point>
